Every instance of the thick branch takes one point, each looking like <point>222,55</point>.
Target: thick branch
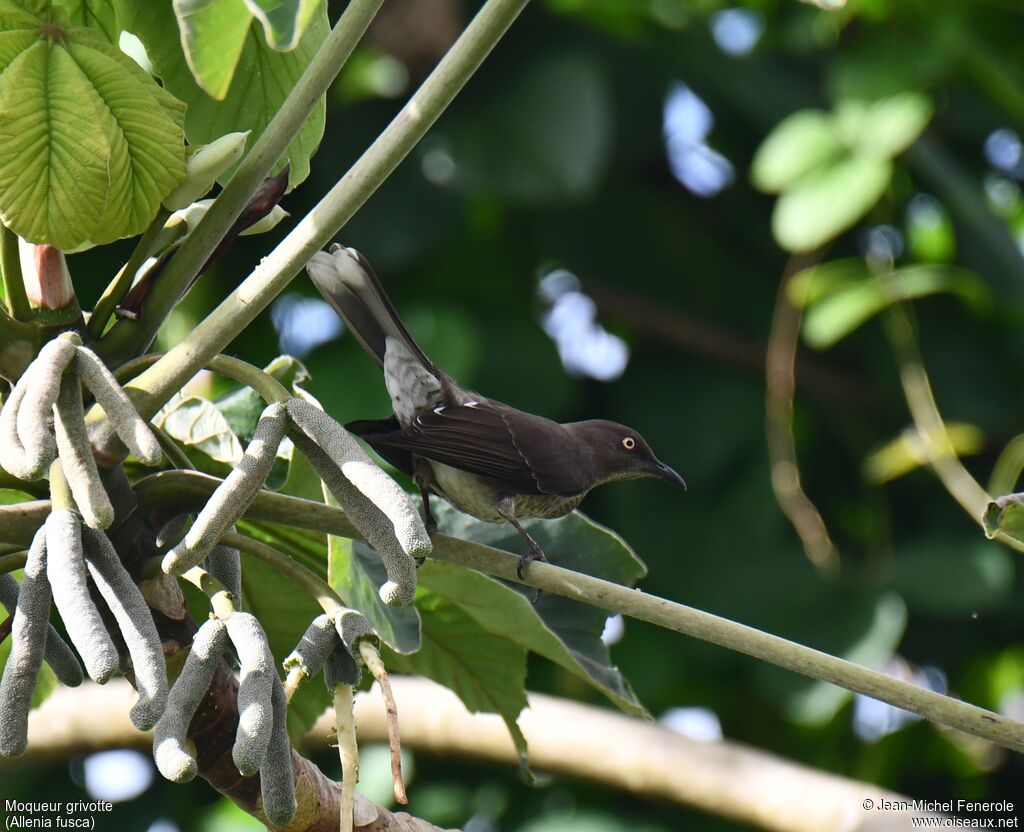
<point>566,738</point>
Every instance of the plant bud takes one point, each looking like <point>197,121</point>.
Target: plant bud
<point>44,272</point>
<point>203,168</point>
<point>277,213</point>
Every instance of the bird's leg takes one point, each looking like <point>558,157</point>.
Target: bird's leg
<point>423,475</point>
<point>507,509</point>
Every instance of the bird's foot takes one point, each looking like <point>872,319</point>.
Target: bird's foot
<point>534,554</point>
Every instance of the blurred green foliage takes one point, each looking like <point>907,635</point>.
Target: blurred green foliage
<point>556,156</point>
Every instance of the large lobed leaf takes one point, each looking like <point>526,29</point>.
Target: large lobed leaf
<point>89,144</point>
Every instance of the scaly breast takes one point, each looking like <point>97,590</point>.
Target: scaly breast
<point>464,491</point>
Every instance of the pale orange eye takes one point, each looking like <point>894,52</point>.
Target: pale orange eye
<point>629,443</point>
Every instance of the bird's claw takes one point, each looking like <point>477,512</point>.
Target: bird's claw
<point>534,554</point>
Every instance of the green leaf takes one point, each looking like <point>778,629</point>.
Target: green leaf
<point>505,612</point>
<point>884,128</point>
<point>828,200</point>
<point>954,578</point>
<point>356,574</point>
<point>1005,515</point>
<point>247,105</point>
<point>89,144</point>
<point>99,15</point>
<point>283,21</point>
<point>567,632</point>
<point>545,136</point>
<point>486,671</point>
<point>197,423</point>
<point>907,452</point>
<point>213,33</point>
<point>800,143</point>
<point>845,308</point>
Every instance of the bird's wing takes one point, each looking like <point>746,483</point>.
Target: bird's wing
<point>509,450</point>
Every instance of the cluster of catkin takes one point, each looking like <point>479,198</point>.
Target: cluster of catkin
<point>51,388</point>
<point>71,547</point>
<point>375,503</point>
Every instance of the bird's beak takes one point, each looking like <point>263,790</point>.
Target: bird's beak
<point>662,471</point>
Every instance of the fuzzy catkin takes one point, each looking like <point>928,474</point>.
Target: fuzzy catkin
<point>314,647</point>
<point>277,780</point>
<point>12,452</point>
<point>173,531</point>
<point>233,495</point>
<point>170,737</point>
<point>341,668</point>
<point>66,571</point>
<point>400,588</point>
<point>44,385</point>
<point>225,564</point>
<point>28,643</point>
<point>367,477</point>
<point>58,655</point>
<point>136,624</point>
<point>129,425</point>
<point>257,675</point>
<point>76,456</point>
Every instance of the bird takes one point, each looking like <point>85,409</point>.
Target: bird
<point>485,458</point>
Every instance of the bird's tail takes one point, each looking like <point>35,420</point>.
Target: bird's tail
<point>348,283</point>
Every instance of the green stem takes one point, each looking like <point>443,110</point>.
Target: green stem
<point>164,489</point>
<point>132,337</point>
<point>175,454</point>
<point>159,382</point>
<point>60,491</point>
<point>120,285</point>
<point>314,586</point>
<point>266,386</point>
<point>13,561</point>
<point>14,286</point>
<point>931,428</point>
<point>221,600</point>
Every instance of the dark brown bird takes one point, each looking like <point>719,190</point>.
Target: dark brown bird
<point>484,457</point>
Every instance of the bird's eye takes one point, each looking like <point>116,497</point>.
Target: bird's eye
<point>629,443</point>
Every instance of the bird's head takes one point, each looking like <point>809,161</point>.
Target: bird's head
<point>620,453</point>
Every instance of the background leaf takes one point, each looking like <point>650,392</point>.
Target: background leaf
<point>283,21</point>
<point>828,201</point>
<point>574,542</point>
<point>800,143</point>
<point>197,423</point>
<point>213,33</point>
<point>247,105</point>
<point>356,574</point>
<point>488,672</point>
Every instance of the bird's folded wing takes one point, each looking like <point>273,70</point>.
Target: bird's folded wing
<point>502,446</point>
